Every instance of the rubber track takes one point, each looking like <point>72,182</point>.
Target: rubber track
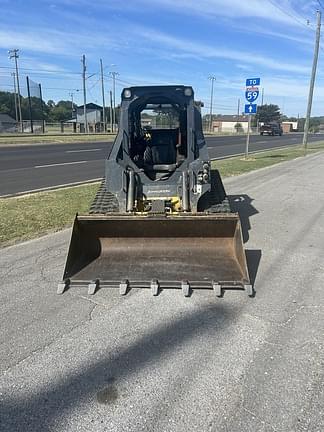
<point>216,200</point>
<point>104,202</point>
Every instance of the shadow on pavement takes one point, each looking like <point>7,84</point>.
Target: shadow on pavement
<point>242,204</point>
<point>47,409</point>
<point>253,258</point>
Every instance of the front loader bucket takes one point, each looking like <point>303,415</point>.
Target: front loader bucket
<point>182,251</point>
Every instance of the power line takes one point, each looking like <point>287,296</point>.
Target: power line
<point>84,68</point>
<point>114,75</point>
<point>47,88</point>
<point>212,79</point>
<point>320,4</point>
<point>56,71</point>
<point>94,85</point>
<point>103,96</point>
<point>284,11</point>
<point>14,54</point>
<point>312,81</point>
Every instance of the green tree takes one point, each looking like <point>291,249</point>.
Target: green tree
<point>62,111</point>
<point>7,103</point>
<point>314,124</point>
<point>268,113</point>
<point>238,127</point>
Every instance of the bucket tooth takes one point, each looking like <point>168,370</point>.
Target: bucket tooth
<point>92,287</point>
<point>249,290</point>
<point>123,287</point>
<point>185,287</point>
<point>62,286</point>
<point>155,287</point>
<point>217,289</point>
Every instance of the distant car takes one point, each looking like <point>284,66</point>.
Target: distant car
<point>271,129</point>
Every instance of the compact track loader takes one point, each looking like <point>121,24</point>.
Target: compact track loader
<point>161,218</point>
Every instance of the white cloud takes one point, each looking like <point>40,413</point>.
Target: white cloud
<point>306,38</point>
<point>31,41</point>
<point>280,12</point>
<point>54,42</point>
<point>201,50</point>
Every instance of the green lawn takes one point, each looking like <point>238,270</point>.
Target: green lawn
<point>238,165</point>
<point>32,215</point>
<point>57,139</point>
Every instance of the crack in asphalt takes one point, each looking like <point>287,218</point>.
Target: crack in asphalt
<point>47,345</point>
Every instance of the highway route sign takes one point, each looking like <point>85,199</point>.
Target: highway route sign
<point>250,109</point>
<point>252,96</point>
<point>251,82</point>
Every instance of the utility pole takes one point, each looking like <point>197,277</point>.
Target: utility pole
<point>14,54</point>
<point>103,97</point>
<point>15,92</point>
<point>212,79</point>
<point>312,81</point>
<point>113,75</point>
<point>111,111</point>
<point>72,104</point>
<point>30,107</point>
<point>42,107</point>
<point>84,68</point>
<point>262,96</point>
<point>238,113</point>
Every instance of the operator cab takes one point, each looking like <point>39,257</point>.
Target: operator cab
<point>157,135</point>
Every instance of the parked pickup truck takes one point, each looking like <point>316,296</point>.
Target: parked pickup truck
<point>271,129</point>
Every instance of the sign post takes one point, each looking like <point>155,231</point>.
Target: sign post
<point>248,139</point>
<point>251,95</point>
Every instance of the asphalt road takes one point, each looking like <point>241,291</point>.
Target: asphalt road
<point>33,167</point>
<point>169,363</point>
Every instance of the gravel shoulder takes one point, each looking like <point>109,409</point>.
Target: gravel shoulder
<point>169,363</point>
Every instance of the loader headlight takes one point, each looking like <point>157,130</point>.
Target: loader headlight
<point>127,93</point>
<point>188,91</point>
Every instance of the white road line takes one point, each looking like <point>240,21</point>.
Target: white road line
<point>60,164</point>
<point>261,142</point>
<point>79,151</point>
<point>227,157</point>
<point>49,188</point>
<point>253,152</point>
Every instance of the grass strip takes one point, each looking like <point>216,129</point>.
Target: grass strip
<point>238,165</point>
<point>30,216</point>
<point>56,139</point>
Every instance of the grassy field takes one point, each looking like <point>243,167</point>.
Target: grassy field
<point>58,139</point>
<point>238,165</point>
<point>30,216</point>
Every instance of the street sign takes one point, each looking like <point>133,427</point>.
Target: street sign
<point>250,82</point>
<point>252,96</point>
<point>253,88</point>
<point>250,109</point>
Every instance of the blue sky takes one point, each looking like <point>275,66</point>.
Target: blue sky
<point>166,42</point>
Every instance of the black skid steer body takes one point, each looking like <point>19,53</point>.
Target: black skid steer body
<point>161,218</point>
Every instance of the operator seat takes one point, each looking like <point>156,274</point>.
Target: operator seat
<point>160,153</point>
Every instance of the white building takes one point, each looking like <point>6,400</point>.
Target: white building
<point>230,123</point>
<point>93,111</point>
